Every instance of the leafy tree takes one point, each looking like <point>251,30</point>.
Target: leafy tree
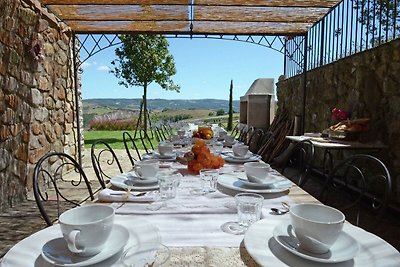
<point>230,112</point>
<point>380,17</point>
<point>143,59</point>
<point>220,112</point>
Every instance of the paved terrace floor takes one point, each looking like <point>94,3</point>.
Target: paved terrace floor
<point>24,219</point>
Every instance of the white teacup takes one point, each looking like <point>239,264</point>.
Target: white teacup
<point>240,150</point>
<point>174,137</point>
<point>229,139</point>
<point>181,133</point>
<point>165,148</point>
<point>257,172</point>
<point>87,228</point>
<point>222,134</point>
<point>147,169</point>
<point>316,226</point>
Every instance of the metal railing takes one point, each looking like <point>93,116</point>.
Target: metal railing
<point>352,26</point>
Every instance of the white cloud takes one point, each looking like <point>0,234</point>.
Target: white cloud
<point>88,64</point>
<point>103,68</point>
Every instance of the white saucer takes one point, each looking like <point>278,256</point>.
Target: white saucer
<point>254,157</point>
<point>225,143</point>
<point>268,183</point>
<point>345,248</point>
<point>56,251</point>
<point>119,181</point>
<point>247,156</point>
<point>136,180</point>
<point>165,156</point>
<point>234,183</point>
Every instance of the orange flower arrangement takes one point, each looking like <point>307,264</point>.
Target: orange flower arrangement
<point>202,158</point>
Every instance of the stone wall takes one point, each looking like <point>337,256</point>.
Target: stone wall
<point>36,96</point>
<point>367,83</point>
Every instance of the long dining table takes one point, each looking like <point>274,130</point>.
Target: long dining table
<point>191,225</point>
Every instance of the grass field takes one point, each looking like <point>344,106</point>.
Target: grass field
<point>113,138</point>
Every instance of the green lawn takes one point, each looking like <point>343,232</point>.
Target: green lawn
<point>113,138</point>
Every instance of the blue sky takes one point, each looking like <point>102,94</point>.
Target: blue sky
<point>204,70</point>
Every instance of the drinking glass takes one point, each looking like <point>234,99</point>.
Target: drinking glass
<point>209,179</point>
<point>249,207</point>
<point>145,254</point>
<point>217,148</point>
<point>168,186</point>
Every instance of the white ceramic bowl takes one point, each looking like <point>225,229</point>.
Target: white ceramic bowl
<point>316,226</point>
<point>257,172</point>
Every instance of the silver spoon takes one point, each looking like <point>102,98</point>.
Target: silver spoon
<point>279,211</point>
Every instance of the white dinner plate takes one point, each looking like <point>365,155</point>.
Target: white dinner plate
<point>344,249</point>
<point>234,183</point>
<point>266,251</point>
<point>56,250</point>
<point>119,181</point>
<point>27,253</point>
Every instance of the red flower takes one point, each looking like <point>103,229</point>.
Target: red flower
<point>338,114</point>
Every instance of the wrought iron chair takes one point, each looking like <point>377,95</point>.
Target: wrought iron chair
<point>146,142</point>
<point>244,133</point>
<point>235,130</point>
<point>160,132</point>
<point>301,157</point>
<point>129,144</point>
<point>168,132</point>
<point>53,175</point>
<point>254,140</point>
<point>105,162</point>
<point>361,187</point>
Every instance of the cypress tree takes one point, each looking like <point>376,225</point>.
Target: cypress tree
<point>230,118</point>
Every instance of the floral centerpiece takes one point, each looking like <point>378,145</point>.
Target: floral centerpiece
<point>200,158</point>
<point>203,133</point>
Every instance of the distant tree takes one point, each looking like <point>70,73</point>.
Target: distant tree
<point>230,112</point>
<point>220,112</point>
<point>379,17</point>
<point>143,59</point>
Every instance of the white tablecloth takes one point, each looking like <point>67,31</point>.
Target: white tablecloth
<point>191,225</point>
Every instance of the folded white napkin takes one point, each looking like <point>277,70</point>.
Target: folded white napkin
<point>108,195</point>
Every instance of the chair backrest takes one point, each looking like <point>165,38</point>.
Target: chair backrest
<point>235,130</point>
<point>361,187</point>
<point>243,133</point>
<point>161,133</point>
<point>105,162</point>
<point>129,144</point>
<point>254,140</point>
<point>167,130</point>
<point>54,176</point>
<point>300,156</point>
<point>146,142</point>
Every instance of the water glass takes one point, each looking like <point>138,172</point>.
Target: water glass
<point>168,186</point>
<point>249,207</point>
<point>217,148</point>
<point>209,179</point>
